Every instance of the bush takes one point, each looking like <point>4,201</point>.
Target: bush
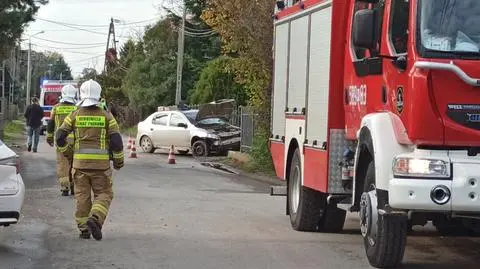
<point>261,159</point>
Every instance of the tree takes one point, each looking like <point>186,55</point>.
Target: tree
<point>216,82</point>
<point>150,80</point>
<point>246,29</point>
<point>14,15</point>
<point>57,67</point>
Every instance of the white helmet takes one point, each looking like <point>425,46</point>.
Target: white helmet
<point>69,94</point>
<point>90,93</point>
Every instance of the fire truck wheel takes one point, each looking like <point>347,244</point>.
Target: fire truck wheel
<point>384,237</point>
<point>304,204</point>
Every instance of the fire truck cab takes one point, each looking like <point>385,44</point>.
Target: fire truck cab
<point>376,110</point>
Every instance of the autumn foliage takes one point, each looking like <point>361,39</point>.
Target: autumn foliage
<point>246,30</point>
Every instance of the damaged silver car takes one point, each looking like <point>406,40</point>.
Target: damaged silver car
<point>203,132</point>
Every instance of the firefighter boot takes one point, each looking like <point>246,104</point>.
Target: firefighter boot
<point>85,234</point>
<point>95,228</point>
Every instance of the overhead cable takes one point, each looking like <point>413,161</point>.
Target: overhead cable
<point>66,43</point>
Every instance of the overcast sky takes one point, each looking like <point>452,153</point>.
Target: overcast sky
<point>87,48</point>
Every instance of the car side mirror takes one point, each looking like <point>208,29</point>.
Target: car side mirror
<point>181,124</point>
<point>365,33</point>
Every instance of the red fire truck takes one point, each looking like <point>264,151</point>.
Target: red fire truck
<point>376,110</point>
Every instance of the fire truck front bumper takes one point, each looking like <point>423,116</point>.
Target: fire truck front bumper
<point>447,181</point>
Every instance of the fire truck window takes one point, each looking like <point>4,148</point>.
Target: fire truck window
<point>399,26</point>
<point>359,52</point>
<point>379,7</point>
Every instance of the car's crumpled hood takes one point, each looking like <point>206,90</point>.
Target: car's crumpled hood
<point>221,109</point>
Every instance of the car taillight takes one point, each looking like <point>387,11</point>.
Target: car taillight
<point>13,161</point>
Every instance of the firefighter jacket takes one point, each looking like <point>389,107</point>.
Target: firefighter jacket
<point>57,116</point>
<point>97,139</point>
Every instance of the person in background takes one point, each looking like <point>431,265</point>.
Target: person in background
<point>61,110</point>
<point>33,115</point>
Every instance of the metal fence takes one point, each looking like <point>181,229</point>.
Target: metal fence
<point>243,117</point>
<point>247,125</point>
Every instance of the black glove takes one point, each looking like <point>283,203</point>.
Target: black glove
<point>50,140</point>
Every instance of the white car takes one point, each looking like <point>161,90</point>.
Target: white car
<point>12,188</point>
<point>201,131</point>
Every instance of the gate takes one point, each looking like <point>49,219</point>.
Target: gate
<point>247,125</point>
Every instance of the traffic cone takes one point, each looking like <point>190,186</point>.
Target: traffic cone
<point>133,151</point>
<point>129,145</point>
<point>171,156</point>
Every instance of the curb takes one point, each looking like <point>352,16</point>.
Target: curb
<point>265,179</point>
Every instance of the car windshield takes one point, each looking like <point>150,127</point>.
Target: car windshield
<point>212,121</point>
<point>449,28</point>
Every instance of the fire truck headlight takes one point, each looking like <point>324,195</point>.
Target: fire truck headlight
<point>416,167</point>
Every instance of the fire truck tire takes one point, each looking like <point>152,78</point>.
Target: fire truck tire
<point>384,236</point>
<point>304,203</point>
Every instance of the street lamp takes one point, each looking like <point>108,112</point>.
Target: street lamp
<point>29,66</point>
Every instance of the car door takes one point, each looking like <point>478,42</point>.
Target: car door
<point>179,130</point>
<point>159,129</point>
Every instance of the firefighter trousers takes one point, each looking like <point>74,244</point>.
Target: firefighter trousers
<point>64,172</point>
<point>100,183</point>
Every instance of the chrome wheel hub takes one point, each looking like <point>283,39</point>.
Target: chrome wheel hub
<point>295,195</point>
<point>369,216</point>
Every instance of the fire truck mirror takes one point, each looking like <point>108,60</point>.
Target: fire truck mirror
<point>365,29</point>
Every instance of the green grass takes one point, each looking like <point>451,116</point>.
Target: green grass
<point>14,131</point>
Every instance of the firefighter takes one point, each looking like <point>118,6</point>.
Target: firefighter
<point>97,141</point>
<point>64,165</point>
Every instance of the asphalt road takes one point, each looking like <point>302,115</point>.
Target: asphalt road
<point>189,216</point>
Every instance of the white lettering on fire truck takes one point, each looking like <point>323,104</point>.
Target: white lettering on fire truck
<point>357,95</point>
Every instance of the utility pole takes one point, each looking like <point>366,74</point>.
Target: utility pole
<point>2,109</point>
<point>181,47</point>
<point>109,55</point>
<point>29,73</point>
<point>29,68</point>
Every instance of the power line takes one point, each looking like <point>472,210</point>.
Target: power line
<point>87,59</point>
<point>70,26</point>
<point>66,43</point>
<point>93,26</point>
<point>68,48</point>
<point>197,30</point>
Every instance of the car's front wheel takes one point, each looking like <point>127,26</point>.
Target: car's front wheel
<point>200,148</point>
<point>146,144</point>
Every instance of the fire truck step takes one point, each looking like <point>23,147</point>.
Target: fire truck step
<point>278,190</point>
